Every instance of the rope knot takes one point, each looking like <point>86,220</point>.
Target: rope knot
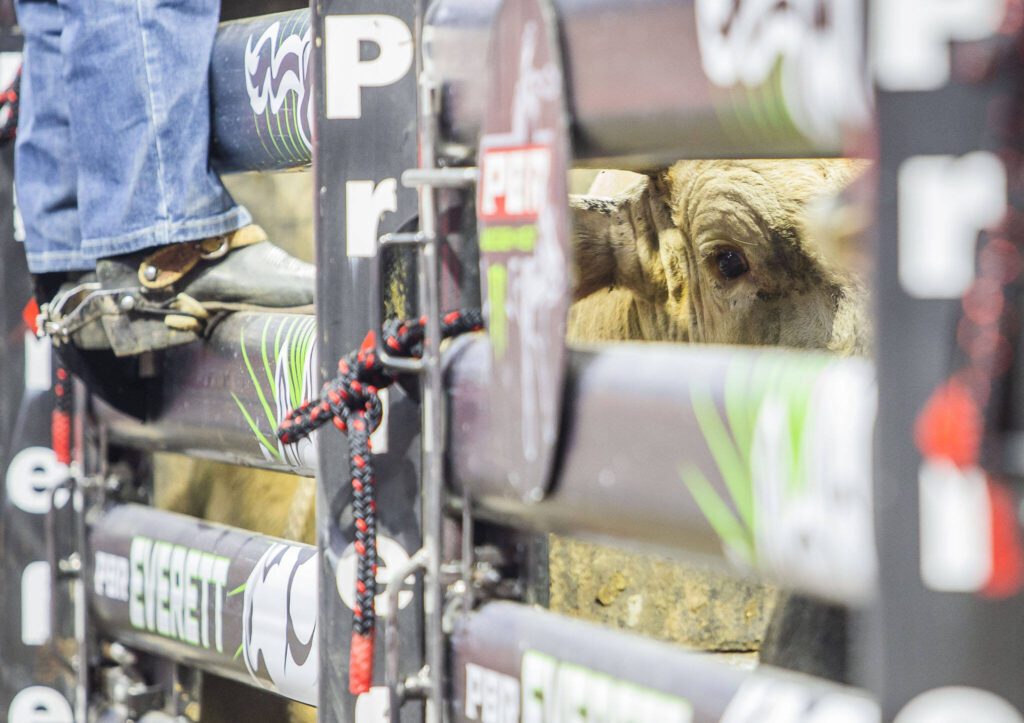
<point>352,402</point>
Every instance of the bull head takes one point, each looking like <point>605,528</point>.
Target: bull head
<point>724,250</point>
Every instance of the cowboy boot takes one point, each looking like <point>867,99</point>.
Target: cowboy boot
<point>157,298</point>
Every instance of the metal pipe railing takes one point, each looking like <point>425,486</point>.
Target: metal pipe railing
<point>222,399</point>
<point>225,600</point>
<point>511,662</point>
<point>761,458</point>
<point>758,457</point>
<point>672,86</point>
<point>261,90</point>
<point>676,82</point>
<point>243,606</point>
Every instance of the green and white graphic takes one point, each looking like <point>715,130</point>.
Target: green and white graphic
<point>283,376</point>
<point>784,69</point>
<point>177,592</point>
<point>277,78</point>
<point>279,637</point>
<point>791,444</point>
<point>554,691</point>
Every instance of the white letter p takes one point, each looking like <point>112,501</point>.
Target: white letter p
<point>346,74</point>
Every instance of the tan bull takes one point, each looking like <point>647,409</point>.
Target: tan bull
<point>715,252</point>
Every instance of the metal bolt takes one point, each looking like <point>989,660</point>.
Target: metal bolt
<point>150,273</point>
<point>128,301</point>
<point>485,574</point>
<point>70,566</point>
<point>418,685</point>
<point>120,654</point>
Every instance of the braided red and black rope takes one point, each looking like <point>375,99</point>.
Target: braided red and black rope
<point>10,100</point>
<point>351,402</point>
<point>60,418</point>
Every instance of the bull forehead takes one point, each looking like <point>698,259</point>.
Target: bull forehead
<point>768,194</point>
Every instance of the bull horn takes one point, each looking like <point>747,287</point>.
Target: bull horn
<point>615,241</point>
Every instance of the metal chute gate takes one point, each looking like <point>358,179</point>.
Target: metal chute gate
<point>117,618</point>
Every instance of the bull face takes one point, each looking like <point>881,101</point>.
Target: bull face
<point>724,249</point>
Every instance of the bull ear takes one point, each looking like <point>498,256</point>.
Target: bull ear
<point>615,237</point>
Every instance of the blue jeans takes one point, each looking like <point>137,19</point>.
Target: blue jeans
<point>113,145</point>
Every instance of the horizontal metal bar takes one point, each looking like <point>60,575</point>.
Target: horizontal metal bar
<point>511,662</point>
<point>222,398</point>
<point>242,605</point>
<point>641,100</point>
<point>759,457</point>
<point>439,177</point>
<point>225,600</point>
<point>638,90</point>
<point>414,238</point>
<point>260,88</point>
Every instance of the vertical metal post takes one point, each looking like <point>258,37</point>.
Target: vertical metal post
<point>943,639</point>
<point>35,681</point>
<point>432,416</point>
<point>365,137</point>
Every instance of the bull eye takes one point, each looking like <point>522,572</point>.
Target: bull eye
<point>731,263</point>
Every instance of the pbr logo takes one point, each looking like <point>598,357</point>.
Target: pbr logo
<point>514,183</point>
<point>491,697</point>
<point>524,238</point>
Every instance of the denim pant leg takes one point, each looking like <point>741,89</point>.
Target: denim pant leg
<point>45,170</point>
<point>137,73</point>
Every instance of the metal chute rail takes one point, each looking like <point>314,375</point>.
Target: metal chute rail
<point>261,88</point>
<point>208,596</point>
<point>263,103</point>
<point>680,462</point>
<point>212,597</point>
<point>675,80</point>
<point>665,429</point>
<point>521,663</point>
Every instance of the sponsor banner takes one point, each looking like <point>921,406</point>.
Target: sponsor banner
<point>282,370</point>
<point>786,483</point>
<point>34,685</point>
<point>230,601</point>
<point>523,230</point>
<point>554,691</point>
